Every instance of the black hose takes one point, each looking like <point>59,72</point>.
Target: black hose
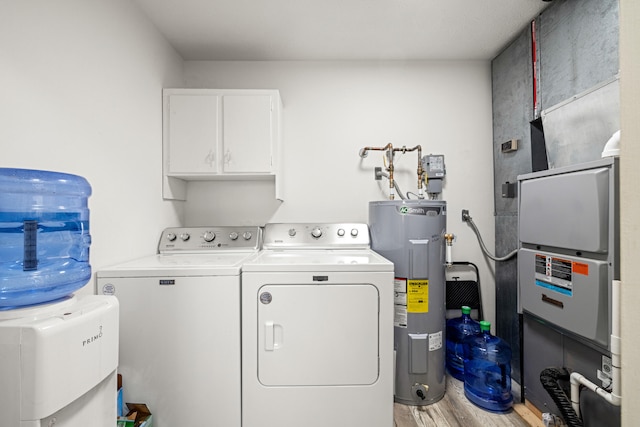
<point>549,378</point>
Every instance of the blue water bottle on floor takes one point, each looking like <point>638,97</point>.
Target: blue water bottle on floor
<point>457,330</point>
<point>487,370</point>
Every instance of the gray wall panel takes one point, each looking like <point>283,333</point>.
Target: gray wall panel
<point>507,319</point>
<point>577,130</point>
<point>578,41</point>
<point>512,111</point>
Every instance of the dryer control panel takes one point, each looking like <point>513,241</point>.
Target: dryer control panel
<point>316,236</point>
<point>198,239</point>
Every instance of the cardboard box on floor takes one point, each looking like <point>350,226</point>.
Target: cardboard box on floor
<point>139,415</point>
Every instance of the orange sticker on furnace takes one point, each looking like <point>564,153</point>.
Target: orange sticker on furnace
<point>580,268</point>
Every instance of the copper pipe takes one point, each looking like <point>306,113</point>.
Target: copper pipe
<point>363,152</point>
<point>420,168</point>
<point>390,153</point>
<point>389,149</point>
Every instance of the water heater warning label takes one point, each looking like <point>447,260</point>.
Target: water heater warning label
<point>435,341</point>
<point>400,302</point>
<point>418,296</point>
<point>400,316</point>
<point>411,296</point>
<point>554,273</point>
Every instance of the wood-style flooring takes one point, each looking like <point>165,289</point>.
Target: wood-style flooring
<point>454,410</point>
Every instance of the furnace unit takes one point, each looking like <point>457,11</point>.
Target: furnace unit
<point>568,258</point>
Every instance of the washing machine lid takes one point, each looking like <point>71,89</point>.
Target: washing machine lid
<point>218,264</point>
<point>318,260</point>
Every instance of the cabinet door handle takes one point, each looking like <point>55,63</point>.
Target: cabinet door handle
<point>210,158</point>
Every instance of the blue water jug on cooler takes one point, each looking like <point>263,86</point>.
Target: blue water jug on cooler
<point>457,330</point>
<point>44,236</point>
<point>487,370</point>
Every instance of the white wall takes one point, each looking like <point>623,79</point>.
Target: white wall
<point>81,84</point>
<point>331,110</point>
<point>82,80</point>
<point>630,206</point>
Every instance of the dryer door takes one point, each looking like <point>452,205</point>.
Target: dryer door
<point>310,335</point>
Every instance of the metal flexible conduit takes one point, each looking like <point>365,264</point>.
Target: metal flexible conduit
<point>467,218</point>
<point>549,379</point>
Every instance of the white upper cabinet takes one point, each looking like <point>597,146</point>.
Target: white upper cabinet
<point>212,134</point>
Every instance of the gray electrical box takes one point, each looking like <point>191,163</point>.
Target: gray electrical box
<point>568,253</point>
<point>435,170</point>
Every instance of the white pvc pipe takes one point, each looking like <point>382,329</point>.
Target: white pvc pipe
<point>614,397</point>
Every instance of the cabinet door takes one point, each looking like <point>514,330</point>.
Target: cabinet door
<point>247,134</point>
<point>193,134</point>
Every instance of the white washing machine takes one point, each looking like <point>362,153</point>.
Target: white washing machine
<point>180,325</point>
<point>58,363</point>
<point>317,329</point>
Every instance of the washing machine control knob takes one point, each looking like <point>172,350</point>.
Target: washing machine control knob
<point>171,237</point>
<point>233,235</point>
<point>340,232</point>
<point>292,232</point>
<point>209,236</point>
<point>185,236</point>
<point>316,232</point>
<point>246,235</point>
<point>354,232</point>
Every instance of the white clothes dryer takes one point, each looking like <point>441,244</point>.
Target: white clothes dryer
<point>180,325</point>
<point>317,329</point>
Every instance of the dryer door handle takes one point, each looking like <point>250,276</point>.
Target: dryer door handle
<point>272,336</point>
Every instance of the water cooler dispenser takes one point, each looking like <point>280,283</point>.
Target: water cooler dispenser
<point>410,233</point>
<point>58,352</point>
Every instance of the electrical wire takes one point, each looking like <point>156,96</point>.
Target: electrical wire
<point>467,218</point>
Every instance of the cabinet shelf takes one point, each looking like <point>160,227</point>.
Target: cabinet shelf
<point>224,177</point>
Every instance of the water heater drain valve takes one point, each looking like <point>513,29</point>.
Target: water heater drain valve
<point>420,390</point>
